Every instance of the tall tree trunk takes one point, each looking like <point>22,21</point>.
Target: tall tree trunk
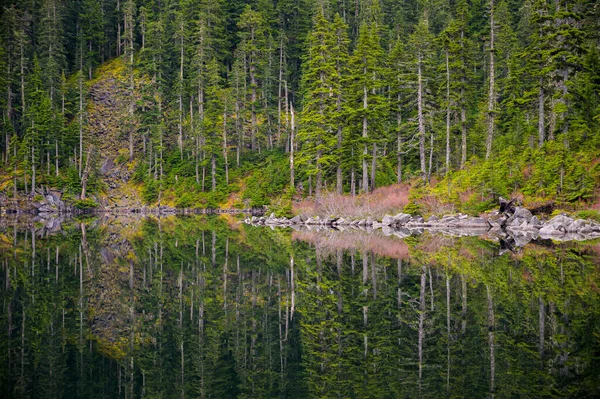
<point>365,173</point>
<point>80,123</point>
<point>279,91</point>
<point>421,120</point>
<point>253,96</point>
<point>180,94</point>
<point>33,170</point>
<point>447,114</point>
<point>338,172</point>
<point>491,341</point>
<point>292,184</point>
<point>491,118</point>
<point>86,172</point>
<point>213,173</point>
<point>225,144</point>
<point>399,140</point>
<point>421,336</point>
<point>373,166</point>
<point>118,29</point>
<point>56,156</point>
<point>541,114</point>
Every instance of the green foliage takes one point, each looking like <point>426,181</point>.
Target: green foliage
<point>150,190</point>
<point>85,205</point>
<point>268,180</point>
<point>218,80</point>
<point>589,214</point>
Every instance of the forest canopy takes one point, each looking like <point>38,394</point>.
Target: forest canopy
<point>202,98</point>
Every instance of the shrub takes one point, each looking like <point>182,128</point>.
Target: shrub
<point>85,205</point>
<point>588,214</point>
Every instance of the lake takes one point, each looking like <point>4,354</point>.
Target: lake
<point>208,307</point>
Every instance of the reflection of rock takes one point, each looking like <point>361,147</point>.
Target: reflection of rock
<point>510,220</point>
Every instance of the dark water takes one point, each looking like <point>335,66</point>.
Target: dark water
<point>196,307</point>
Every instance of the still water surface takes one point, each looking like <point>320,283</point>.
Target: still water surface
<point>210,308</point>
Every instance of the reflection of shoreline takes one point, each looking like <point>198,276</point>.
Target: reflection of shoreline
<point>330,241</point>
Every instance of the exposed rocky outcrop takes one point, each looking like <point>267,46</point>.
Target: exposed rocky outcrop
<point>511,220</point>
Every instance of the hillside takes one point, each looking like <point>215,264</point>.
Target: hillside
<point>235,104</point>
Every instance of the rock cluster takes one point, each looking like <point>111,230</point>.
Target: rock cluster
<point>513,221</point>
<point>389,224</point>
<point>522,222</point>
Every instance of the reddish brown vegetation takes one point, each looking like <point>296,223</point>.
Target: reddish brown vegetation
<point>384,200</point>
<point>328,242</point>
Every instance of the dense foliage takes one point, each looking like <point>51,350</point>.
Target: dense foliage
<point>188,307</point>
<point>497,96</point>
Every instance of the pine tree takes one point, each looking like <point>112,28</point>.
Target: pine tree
<point>91,25</point>
<point>368,104</point>
<point>420,41</point>
<point>52,52</point>
<point>317,127</point>
<point>340,54</point>
<point>252,34</point>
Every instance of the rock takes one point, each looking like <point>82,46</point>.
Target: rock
<point>387,230</point>
<point>560,220</point>
<point>362,222</point>
<point>522,213</point>
<point>369,221</point>
<point>535,221</point>
<point>401,219</point>
<point>433,218</point>
<point>388,220</point>
<point>107,166</point>
<point>377,225</point>
<point>312,221</point>
<point>296,219</point>
<point>494,224</point>
<point>550,230</point>
<point>272,216</point>
<point>418,219</point>
<point>341,222</point>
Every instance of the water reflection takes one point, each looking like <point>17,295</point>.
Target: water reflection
<point>199,307</point>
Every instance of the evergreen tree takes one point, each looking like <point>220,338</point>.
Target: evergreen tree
<point>421,54</point>
<point>367,103</point>
<point>317,127</point>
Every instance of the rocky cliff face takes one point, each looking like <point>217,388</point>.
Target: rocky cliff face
<point>108,128</point>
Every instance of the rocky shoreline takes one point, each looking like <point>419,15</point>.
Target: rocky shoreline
<point>513,221</point>
<point>50,204</point>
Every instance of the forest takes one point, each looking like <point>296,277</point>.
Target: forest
<point>213,103</point>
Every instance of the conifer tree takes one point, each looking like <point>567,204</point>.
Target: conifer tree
<point>368,103</point>
<point>339,53</point>
<point>420,41</point>
<point>317,127</point>
<point>252,34</point>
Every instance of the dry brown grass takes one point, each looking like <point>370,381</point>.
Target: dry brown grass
<point>328,242</point>
<point>384,200</point>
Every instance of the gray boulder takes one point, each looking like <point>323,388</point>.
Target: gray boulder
<point>560,220</point>
<point>387,220</point>
<point>523,213</point>
<point>401,219</point>
<point>551,230</point>
<point>296,219</point>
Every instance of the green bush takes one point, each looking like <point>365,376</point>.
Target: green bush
<point>589,214</point>
<point>150,190</point>
<point>85,205</point>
